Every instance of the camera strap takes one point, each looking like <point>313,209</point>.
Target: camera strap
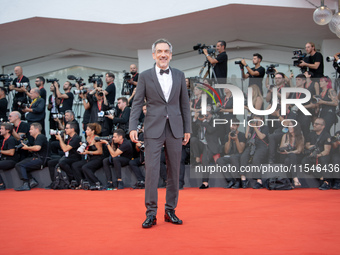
<point>16,130</point>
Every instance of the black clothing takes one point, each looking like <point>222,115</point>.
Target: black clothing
<point>111,96</point>
<point>317,57</point>
<point>257,80</point>
<point>221,68</point>
<point>19,83</point>
<point>3,109</point>
<point>319,140</point>
<point>122,120</point>
<point>43,93</point>
<point>8,144</point>
<point>66,103</point>
<point>42,141</point>
<point>327,112</point>
<point>102,121</point>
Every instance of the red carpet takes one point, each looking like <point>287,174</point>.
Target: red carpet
<point>216,221</point>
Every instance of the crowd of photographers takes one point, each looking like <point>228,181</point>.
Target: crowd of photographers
<point>73,158</point>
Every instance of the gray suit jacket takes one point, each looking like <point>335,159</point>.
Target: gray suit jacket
<point>177,108</point>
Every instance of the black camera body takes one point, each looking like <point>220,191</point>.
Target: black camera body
<point>312,152</point>
<point>232,133</point>
<point>22,105</point>
<point>106,138</point>
<point>287,148</point>
<point>6,79</point>
<point>79,91</point>
<point>79,80</point>
<point>315,99</point>
<point>210,48</point>
<point>299,56</point>
<point>271,69</point>
<point>52,80</point>
<point>96,79</point>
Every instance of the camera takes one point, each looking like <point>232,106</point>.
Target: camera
<point>100,93</point>
<point>100,114</point>
<point>210,48</point>
<point>6,79</point>
<point>127,76</point>
<point>82,148</point>
<point>315,99</point>
<point>299,56</point>
<point>79,91</point>
<point>57,132</point>
<point>110,112</point>
<point>238,63</point>
<point>106,138</point>
<point>271,69</point>
<point>96,79</point>
<point>22,105</point>
<point>142,147</point>
<point>24,140</point>
<point>336,137</point>
<point>312,152</point>
<point>232,133</point>
<point>57,116</point>
<point>287,148</point>
<point>52,80</point>
<point>79,80</point>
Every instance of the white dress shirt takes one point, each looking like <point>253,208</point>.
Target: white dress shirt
<point>165,80</point>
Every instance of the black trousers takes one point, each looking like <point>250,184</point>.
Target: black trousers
<point>6,165</point>
<point>87,169</point>
<point>134,165</point>
<point>308,162</point>
<point>65,163</point>
<point>26,166</point>
<point>274,141</point>
<point>118,163</point>
<point>291,159</point>
<point>233,160</point>
<point>185,154</point>
<point>259,158</point>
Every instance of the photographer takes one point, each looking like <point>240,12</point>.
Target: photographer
<point>257,148</point>
<point>19,85</point>
<point>53,106</point>
<point>98,105</point>
<point>314,88</point>
<point>220,63</point>
<point>254,74</point>
<point>233,149</point>
<point>93,159</point>
<point>68,118</point>
<point>66,99</point>
<point>110,91</point>
<point>280,81</point>
<point>291,149</point>
<point>315,61</point>
<point>35,112</point>
<point>318,146</point>
<point>120,155</point>
<point>3,105</point>
<point>133,81</point>
<point>69,146</point>
<point>39,83</point>
<point>122,120</point>
<point>39,150</point>
<point>8,157</point>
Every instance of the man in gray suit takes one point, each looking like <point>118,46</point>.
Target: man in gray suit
<point>167,119</point>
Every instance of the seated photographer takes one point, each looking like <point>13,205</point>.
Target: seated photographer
<point>327,103</point>
<point>66,99</point>
<point>122,120</point>
<point>335,160</point>
<point>314,88</point>
<point>256,149</point>
<point>69,146</point>
<point>93,160</point>
<point>98,105</point>
<point>291,149</point>
<point>254,74</point>
<point>36,162</point>
<point>225,112</point>
<point>281,81</point>
<point>233,149</point>
<point>318,147</point>
<point>120,155</point>
<point>35,112</point>
<point>68,118</point>
<point>8,156</point>
<point>3,105</point>
<point>207,144</point>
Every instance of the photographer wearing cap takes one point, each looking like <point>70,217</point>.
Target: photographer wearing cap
<point>69,146</point>
<point>315,61</point>
<point>318,147</point>
<point>220,63</point>
<point>254,74</point>
<point>8,156</point>
<point>120,156</point>
<point>36,162</point>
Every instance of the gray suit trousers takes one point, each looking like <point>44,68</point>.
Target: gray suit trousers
<point>173,150</point>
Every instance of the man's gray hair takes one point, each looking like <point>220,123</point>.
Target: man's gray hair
<point>36,90</point>
<point>161,41</point>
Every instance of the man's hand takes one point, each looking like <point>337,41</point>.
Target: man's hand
<point>134,136</point>
<point>58,137</point>
<point>302,63</point>
<point>243,62</point>
<point>205,51</point>
<point>186,138</point>
<point>11,87</point>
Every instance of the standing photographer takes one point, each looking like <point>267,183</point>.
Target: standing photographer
<point>318,146</point>
<point>254,74</point>
<point>53,106</point>
<point>315,61</point>
<point>19,85</point>
<point>220,63</point>
<point>66,99</point>
<point>110,91</point>
<point>3,105</point>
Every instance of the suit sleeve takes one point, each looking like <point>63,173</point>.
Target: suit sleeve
<point>138,102</point>
<point>185,106</point>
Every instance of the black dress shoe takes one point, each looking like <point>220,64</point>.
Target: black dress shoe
<point>236,185</point>
<point>24,187</point>
<point>325,186</point>
<point>230,184</point>
<point>33,183</point>
<point>2,186</point>
<point>150,221</point>
<point>244,184</point>
<point>170,216</point>
<point>258,186</point>
<point>203,186</point>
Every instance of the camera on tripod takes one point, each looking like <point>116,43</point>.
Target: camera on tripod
<point>271,69</point>
<point>79,80</point>
<point>127,87</point>
<point>96,79</point>
<point>299,56</point>
<point>6,79</point>
<point>127,76</point>
<point>210,48</point>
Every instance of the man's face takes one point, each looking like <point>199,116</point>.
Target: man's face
<point>34,94</point>
<point>121,104</point>
<point>68,117</point>
<point>162,55</point>
<point>144,110</point>
<point>38,82</point>
<point>3,130</point>
<point>52,88</point>
<point>309,48</point>
<point>116,138</point>
<point>68,129</point>
<point>33,131</point>
<point>256,60</point>
<point>66,86</point>
<point>12,117</point>
<point>300,83</point>
<point>219,47</point>
<point>318,125</point>
<point>278,80</point>
<point>108,79</point>
<point>187,82</point>
<point>234,127</point>
<point>18,71</point>
<point>133,69</point>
